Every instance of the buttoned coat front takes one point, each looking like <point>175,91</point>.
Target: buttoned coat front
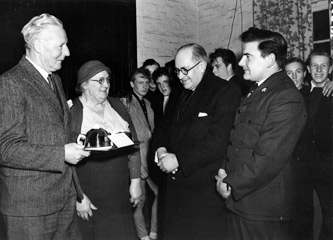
<point>34,178</point>
<point>266,128</point>
<point>198,137</point>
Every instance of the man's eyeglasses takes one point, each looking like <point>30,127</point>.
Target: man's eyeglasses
<point>184,70</point>
<point>101,80</point>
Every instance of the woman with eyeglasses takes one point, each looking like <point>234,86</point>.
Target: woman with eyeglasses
<point>110,182</point>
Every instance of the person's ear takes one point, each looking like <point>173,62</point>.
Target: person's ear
<point>202,66</point>
<point>229,69</point>
<point>330,70</point>
<point>270,60</point>
<point>309,69</point>
<point>37,45</point>
<point>132,84</point>
<point>84,85</point>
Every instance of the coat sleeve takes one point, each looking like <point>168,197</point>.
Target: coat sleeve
<point>134,164</point>
<point>284,121</point>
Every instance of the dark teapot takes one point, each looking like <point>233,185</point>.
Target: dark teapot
<point>95,138</point>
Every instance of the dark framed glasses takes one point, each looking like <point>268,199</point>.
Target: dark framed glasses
<point>101,80</point>
<point>184,70</point>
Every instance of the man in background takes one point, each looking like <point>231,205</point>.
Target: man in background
<point>223,62</point>
<point>142,116</point>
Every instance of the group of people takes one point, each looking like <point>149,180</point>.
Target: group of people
<point>223,159</point>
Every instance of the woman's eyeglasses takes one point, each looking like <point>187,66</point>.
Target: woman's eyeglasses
<point>184,70</point>
<point>101,80</point>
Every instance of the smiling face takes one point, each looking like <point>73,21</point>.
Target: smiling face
<point>52,48</point>
<point>95,91</point>
<point>296,73</point>
<point>319,68</point>
<point>194,76</point>
<point>163,85</point>
<point>253,64</point>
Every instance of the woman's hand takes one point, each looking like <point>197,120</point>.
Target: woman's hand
<point>84,209</point>
<point>135,191</point>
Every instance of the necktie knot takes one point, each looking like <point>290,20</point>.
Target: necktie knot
<point>252,89</point>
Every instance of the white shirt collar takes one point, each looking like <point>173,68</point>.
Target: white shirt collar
<point>39,69</point>
<point>314,84</point>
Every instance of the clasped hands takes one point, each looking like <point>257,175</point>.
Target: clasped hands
<point>166,161</point>
<point>221,186</point>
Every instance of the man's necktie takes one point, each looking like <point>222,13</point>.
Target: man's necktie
<point>51,82</point>
<point>252,89</point>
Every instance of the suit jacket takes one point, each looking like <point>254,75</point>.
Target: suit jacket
<point>241,83</point>
<point>266,128</point>
<point>198,137</point>
<point>34,178</point>
<point>169,110</point>
<point>142,127</point>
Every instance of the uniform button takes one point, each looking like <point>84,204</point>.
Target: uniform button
<point>249,121</point>
<point>230,143</point>
<point>239,111</point>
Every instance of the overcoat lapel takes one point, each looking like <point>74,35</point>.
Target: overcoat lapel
<point>37,82</point>
<point>191,110</point>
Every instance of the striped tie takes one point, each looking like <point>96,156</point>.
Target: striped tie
<point>51,82</point>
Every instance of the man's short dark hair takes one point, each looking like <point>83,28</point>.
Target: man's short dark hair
<point>162,71</point>
<point>227,56</point>
<point>298,60</point>
<point>140,71</point>
<point>150,62</point>
<point>269,42</point>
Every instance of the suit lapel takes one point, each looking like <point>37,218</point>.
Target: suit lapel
<point>191,110</point>
<point>37,82</point>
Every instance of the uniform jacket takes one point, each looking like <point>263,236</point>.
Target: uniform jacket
<point>266,128</point>
<point>34,178</point>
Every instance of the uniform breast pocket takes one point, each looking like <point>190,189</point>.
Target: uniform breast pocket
<point>250,125</point>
